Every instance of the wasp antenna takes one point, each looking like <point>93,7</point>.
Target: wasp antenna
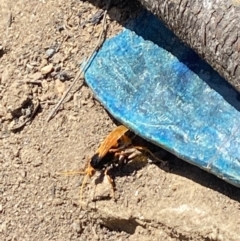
<point>71,173</point>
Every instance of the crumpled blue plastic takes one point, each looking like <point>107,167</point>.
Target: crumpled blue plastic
<point>159,88</point>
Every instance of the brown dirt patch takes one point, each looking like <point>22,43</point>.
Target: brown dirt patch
<point>42,45</point>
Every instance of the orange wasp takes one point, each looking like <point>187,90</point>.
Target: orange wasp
<point>117,147</point>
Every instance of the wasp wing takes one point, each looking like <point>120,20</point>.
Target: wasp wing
<point>111,141</point>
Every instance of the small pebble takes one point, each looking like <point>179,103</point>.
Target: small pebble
<point>23,173</point>
<point>58,58</point>
<point>47,69</point>
<point>37,163</point>
<point>45,85</point>
<point>50,52</point>
<point>76,227</point>
<point>63,76</point>
<point>57,202</point>
<point>3,227</point>
<point>60,28</point>
<point>36,76</point>
<point>59,86</point>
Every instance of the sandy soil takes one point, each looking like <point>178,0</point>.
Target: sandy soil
<point>42,44</point>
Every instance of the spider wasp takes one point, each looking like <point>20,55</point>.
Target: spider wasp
<point>117,147</point>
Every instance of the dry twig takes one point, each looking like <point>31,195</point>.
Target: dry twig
<point>80,74</point>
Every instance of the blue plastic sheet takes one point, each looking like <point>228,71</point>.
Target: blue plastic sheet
<point>164,92</point>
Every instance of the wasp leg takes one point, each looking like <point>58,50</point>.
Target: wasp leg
<point>134,151</point>
<point>127,154</point>
<point>82,187</point>
<point>144,149</point>
<point>131,153</point>
<point>89,172</point>
<point>70,173</point>
<point>111,181</point>
<point>115,150</point>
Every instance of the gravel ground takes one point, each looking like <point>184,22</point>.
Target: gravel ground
<point>41,46</point>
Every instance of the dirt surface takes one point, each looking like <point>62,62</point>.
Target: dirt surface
<point>42,44</point>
